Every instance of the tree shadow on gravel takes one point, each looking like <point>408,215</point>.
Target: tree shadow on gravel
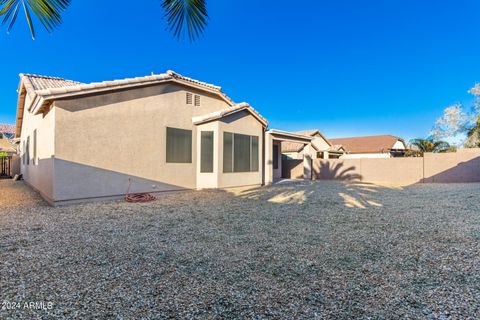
<point>350,194</point>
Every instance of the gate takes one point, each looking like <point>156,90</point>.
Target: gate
<point>5,163</point>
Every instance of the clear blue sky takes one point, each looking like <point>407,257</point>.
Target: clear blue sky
<point>345,67</point>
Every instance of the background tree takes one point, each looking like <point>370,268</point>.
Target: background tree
<point>459,125</point>
<point>473,135</point>
<point>183,16</point>
<point>430,145</point>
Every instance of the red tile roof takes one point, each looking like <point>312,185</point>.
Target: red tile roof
<point>7,128</point>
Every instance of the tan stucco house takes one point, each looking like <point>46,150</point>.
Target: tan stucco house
<point>384,146</point>
<point>156,133</point>
<point>322,148</point>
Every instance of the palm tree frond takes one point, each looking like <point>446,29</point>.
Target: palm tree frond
<point>48,12</point>
<point>189,14</point>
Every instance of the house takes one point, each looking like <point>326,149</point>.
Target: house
<point>7,133</point>
<point>321,147</point>
<point>156,133</point>
<point>385,146</point>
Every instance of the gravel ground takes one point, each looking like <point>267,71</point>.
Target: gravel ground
<point>306,250</point>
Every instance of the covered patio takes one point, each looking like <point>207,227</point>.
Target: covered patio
<point>273,154</point>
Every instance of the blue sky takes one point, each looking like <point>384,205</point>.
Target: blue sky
<point>345,67</point>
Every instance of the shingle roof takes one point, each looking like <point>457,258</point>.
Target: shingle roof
<point>7,128</point>
<point>368,144</point>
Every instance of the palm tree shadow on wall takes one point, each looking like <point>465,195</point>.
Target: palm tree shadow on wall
<point>336,171</point>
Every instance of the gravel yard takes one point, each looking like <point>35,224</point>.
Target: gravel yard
<point>304,250</point>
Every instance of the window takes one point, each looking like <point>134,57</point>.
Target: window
<point>275,156</point>
<point>189,98</point>
<point>24,152</point>
<point>240,152</point>
<point>206,156</point>
<point>34,147</point>
<point>179,145</point>
<point>197,100</point>
<point>28,150</point>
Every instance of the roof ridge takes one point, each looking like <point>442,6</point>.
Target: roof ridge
<point>32,75</point>
<point>356,137</point>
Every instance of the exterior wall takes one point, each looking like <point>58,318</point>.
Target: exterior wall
<point>399,145</point>
<point>243,123</point>
<point>365,155</point>
<point>292,169</point>
<point>461,166</point>
<point>39,172</point>
<point>320,144</point>
<point>15,164</point>
<point>293,155</point>
<point>209,180</point>
<point>104,143</point>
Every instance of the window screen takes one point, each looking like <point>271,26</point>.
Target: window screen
<point>275,156</point>
<point>240,153</point>
<point>28,150</point>
<point>179,145</point>
<point>35,147</point>
<point>206,145</point>
<point>254,154</point>
<point>227,152</point>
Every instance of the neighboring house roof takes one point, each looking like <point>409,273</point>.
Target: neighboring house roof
<point>227,112</point>
<point>43,90</point>
<point>336,148</point>
<point>5,146</point>
<point>7,128</point>
<point>368,144</point>
<point>297,147</point>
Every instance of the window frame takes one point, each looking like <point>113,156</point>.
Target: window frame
<point>209,166</point>
<point>254,158</point>
<point>167,153</point>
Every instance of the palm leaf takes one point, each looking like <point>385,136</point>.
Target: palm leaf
<point>48,12</point>
<point>189,14</point>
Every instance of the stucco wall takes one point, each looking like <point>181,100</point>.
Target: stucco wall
<point>292,169</point>
<point>461,166</point>
<point>103,142</point>
<point>243,123</point>
<point>39,172</point>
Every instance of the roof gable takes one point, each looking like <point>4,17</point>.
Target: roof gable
<point>217,115</point>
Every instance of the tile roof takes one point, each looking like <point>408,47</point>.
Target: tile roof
<point>368,144</point>
<point>7,128</point>
<point>336,148</point>
<point>39,82</point>
<point>51,87</point>
<point>5,146</point>
<point>310,132</point>
<point>226,112</point>
<point>288,146</point>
